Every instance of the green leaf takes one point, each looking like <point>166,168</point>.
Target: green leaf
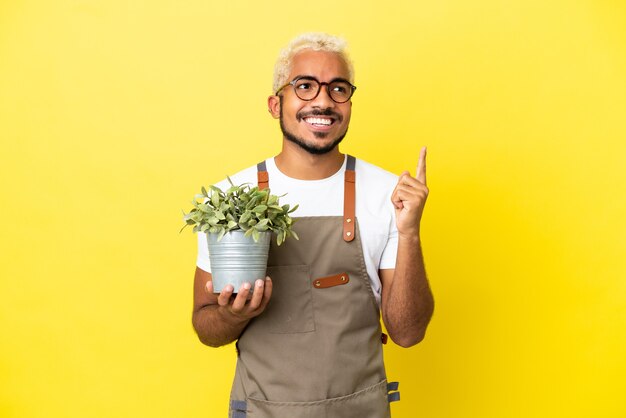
<point>262,226</point>
<point>215,200</point>
<point>243,206</point>
<point>204,208</point>
<point>252,202</point>
<point>245,217</point>
<point>260,209</point>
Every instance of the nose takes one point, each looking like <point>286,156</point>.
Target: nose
<point>323,100</point>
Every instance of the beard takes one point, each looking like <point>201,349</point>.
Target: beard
<point>307,146</point>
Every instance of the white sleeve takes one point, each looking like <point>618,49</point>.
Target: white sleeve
<point>388,258</point>
<point>203,253</point>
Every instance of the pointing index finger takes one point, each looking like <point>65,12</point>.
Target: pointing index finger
<point>421,166</point>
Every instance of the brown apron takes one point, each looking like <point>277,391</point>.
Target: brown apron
<point>315,352</point>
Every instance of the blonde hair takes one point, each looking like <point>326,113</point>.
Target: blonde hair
<point>316,41</point>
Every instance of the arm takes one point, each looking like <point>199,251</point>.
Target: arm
<point>407,301</point>
<point>220,319</point>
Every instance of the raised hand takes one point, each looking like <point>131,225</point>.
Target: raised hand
<point>409,198</point>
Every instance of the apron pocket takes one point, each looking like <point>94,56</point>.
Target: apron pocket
<point>290,309</point>
<point>370,402</point>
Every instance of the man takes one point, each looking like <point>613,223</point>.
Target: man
<point>309,336</point>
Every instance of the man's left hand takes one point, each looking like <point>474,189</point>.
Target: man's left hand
<point>409,198</point>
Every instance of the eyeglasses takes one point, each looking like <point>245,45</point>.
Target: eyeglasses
<point>308,88</point>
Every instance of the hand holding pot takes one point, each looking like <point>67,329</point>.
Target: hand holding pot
<point>240,307</point>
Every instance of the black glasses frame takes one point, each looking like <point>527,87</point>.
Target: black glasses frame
<point>319,88</point>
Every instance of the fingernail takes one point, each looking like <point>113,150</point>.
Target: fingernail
<point>229,288</point>
<point>246,286</point>
<point>259,283</point>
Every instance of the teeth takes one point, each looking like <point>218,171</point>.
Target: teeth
<point>318,121</point>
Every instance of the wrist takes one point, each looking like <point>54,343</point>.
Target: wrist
<point>409,237</point>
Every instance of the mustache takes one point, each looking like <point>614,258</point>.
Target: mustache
<point>319,112</point>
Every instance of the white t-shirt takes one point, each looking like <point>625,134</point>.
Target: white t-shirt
<point>374,210</point>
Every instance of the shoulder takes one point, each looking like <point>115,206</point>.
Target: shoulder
<point>374,176</point>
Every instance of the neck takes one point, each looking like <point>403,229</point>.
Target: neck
<point>297,163</point>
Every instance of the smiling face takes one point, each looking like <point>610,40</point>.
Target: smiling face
<point>318,125</point>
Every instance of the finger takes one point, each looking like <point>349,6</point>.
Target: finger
<point>421,166</point>
<point>242,296</point>
<point>224,298</point>
<point>410,181</point>
<point>415,188</point>
<point>257,295</point>
<point>396,200</point>
<point>411,200</point>
<point>267,292</point>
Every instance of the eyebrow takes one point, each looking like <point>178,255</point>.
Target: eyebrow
<point>310,77</point>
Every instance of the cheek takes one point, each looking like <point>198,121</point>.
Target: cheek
<point>290,114</point>
<point>346,116</point>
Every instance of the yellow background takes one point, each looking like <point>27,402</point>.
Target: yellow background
<point>114,113</point>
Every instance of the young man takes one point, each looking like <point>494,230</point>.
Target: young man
<point>309,338</point>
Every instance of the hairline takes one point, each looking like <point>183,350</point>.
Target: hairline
<point>321,42</point>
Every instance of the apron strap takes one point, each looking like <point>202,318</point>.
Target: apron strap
<point>263,178</point>
<point>349,199</point>
<point>393,395</point>
<point>348,193</point>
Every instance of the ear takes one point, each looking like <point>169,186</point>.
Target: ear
<point>273,105</point>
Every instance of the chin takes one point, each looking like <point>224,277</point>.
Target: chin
<point>321,143</point>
